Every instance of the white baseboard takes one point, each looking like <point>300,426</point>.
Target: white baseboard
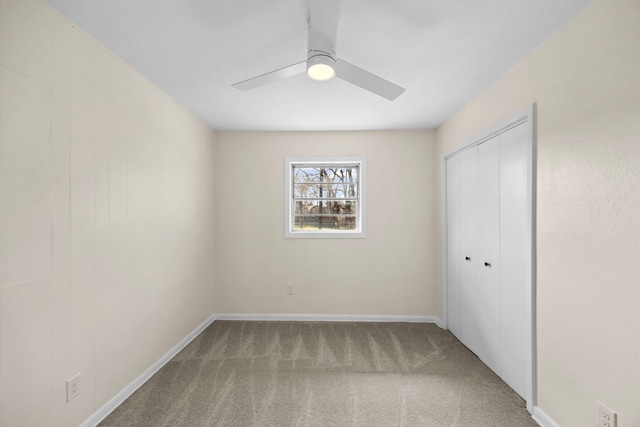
<point>327,318</point>
<point>542,418</point>
<point>102,413</point>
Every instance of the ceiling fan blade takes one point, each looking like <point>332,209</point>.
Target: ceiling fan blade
<point>272,76</point>
<point>323,25</point>
<point>368,81</point>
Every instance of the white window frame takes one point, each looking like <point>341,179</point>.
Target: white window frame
<point>289,232</point>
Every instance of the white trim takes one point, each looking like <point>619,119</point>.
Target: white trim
<point>527,116</point>
<point>362,195</point>
<point>327,318</point>
<point>524,115</point>
<point>112,404</point>
<point>531,119</point>
<point>542,418</point>
<point>443,244</point>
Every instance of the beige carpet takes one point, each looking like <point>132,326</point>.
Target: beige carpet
<point>323,374</point>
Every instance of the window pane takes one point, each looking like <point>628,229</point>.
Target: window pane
<point>328,222</point>
<point>317,190</point>
<point>309,207</point>
<point>329,174</point>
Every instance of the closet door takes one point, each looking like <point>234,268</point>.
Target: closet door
<point>488,252</point>
<point>515,257</point>
<point>469,308</point>
<point>453,245</point>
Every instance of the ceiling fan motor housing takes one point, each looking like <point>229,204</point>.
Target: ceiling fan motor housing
<point>321,65</point>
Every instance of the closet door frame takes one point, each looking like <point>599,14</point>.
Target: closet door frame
<point>525,116</point>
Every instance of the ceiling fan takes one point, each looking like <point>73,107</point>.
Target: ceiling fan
<point>322,62</point>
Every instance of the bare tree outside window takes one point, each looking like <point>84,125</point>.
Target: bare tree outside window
<point>325,197</point>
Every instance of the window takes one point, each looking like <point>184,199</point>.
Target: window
<point>324,197</point>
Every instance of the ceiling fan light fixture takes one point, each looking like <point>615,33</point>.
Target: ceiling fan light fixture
<point>322,62</point>
<point>321,67</point>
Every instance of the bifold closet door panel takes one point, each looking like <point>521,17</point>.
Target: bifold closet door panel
<point>488,252</point>
<point>515,256</point>
<point>470,311</point>
<point>453,245</point>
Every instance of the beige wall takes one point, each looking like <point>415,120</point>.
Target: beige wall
<point>106,220</point>
<point>586,85</point>
<point>390,272</point>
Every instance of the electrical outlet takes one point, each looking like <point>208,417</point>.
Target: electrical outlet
<point>289,289</point>
<point>73,388</point>
<point>606,417</point>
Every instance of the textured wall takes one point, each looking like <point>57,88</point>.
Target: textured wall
<point>586,84</point>
<point>390,272</point>
<point>106,219</point>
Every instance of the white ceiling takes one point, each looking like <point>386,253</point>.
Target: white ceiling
<point>443,52</point>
